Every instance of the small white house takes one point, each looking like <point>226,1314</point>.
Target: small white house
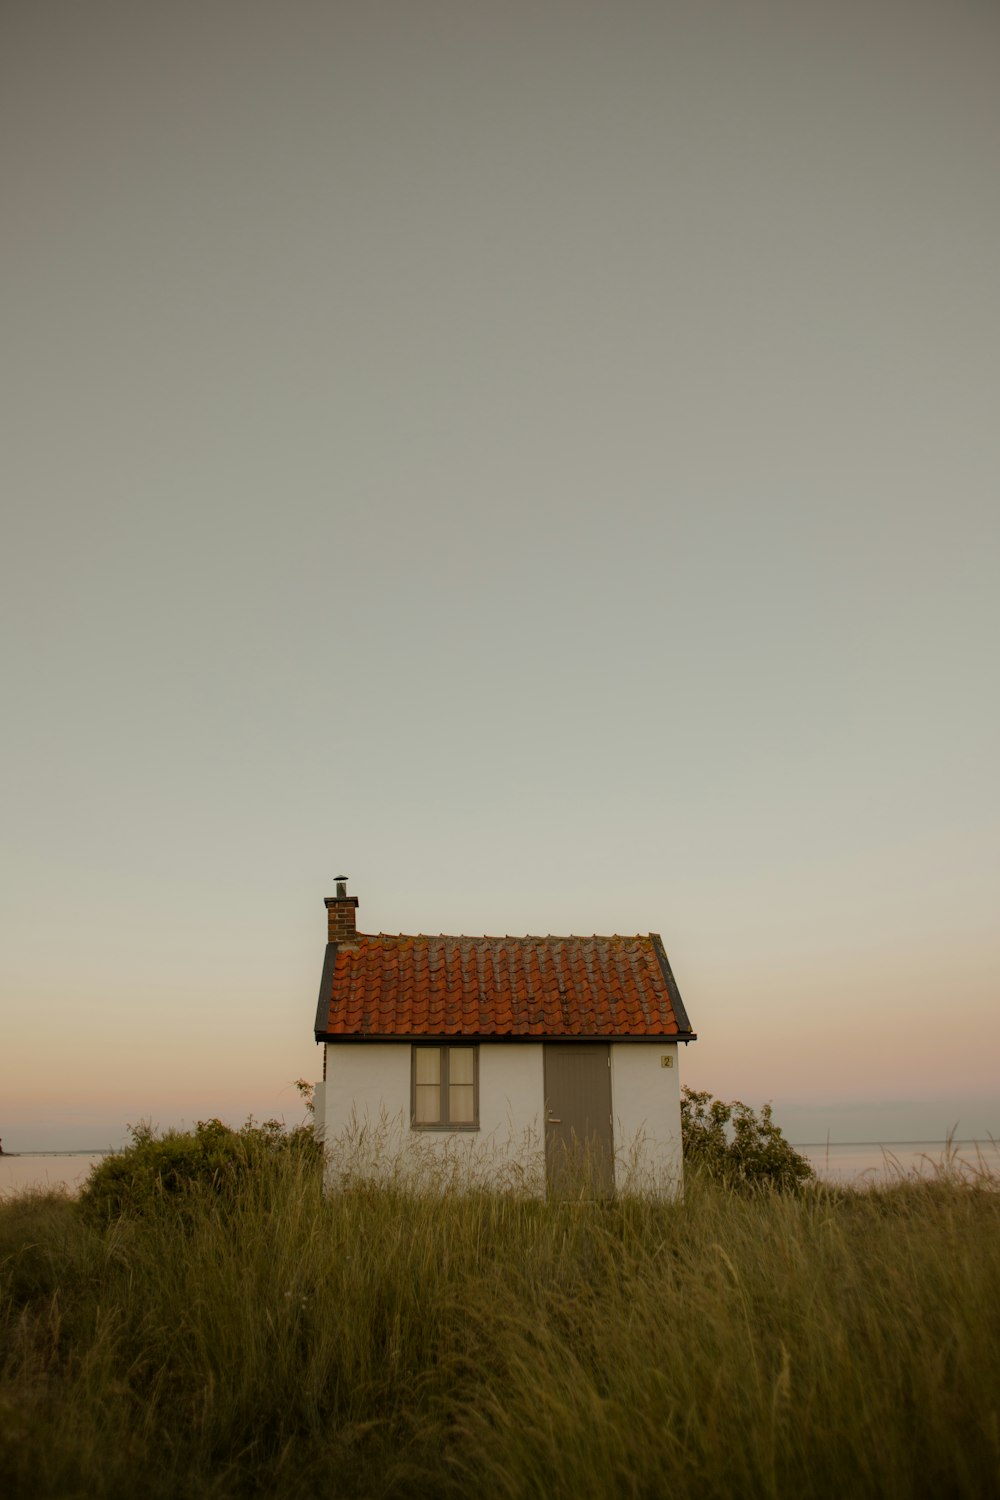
<point>506,1060</point>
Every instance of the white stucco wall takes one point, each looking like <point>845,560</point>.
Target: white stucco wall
<point>646,1110</point>
<point>366,1118</point>
<point>363,1111</point>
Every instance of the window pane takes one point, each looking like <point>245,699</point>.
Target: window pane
<point>460,1065</point>
<point>428,1103</point>
<point>428,1064</point>
<point>460,1105</point>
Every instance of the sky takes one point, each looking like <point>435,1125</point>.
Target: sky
<point>540,460</point>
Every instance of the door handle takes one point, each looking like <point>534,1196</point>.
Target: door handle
<point>553,1120</point>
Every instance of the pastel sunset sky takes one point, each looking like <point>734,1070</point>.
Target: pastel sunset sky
<point>540,459</point>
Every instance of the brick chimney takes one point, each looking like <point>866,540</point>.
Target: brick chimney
<point>340,913</point>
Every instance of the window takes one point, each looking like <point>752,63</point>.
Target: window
<point>445,1088</point>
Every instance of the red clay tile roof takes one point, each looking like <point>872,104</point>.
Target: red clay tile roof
<point>402,987</point>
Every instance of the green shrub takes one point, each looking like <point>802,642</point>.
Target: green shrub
<point>179,1165</point>
<point>735,1146</point>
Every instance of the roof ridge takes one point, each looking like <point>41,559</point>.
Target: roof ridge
<point>508,937</point>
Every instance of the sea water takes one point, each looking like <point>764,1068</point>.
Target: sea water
<point>879,1162</point>
<point>58,1170</point>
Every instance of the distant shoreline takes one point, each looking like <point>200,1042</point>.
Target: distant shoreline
<point>76,1151</point>
<point>967,1141</point>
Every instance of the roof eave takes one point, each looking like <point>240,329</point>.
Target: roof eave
<point>443,1037</point>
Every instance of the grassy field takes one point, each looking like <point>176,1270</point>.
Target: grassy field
<point>274,1343</point>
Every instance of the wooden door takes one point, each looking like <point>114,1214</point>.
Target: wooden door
<point>579,1142</point>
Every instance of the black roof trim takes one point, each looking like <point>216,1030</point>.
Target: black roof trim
<point>668,978</point>
<point>325,991</point>
<point>457,1037</point>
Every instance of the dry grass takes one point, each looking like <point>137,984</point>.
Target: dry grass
<point>379,1343</point>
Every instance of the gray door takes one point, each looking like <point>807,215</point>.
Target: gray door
<point>579,1146</point>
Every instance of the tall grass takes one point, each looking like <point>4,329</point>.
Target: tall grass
<point>278,1343</point>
